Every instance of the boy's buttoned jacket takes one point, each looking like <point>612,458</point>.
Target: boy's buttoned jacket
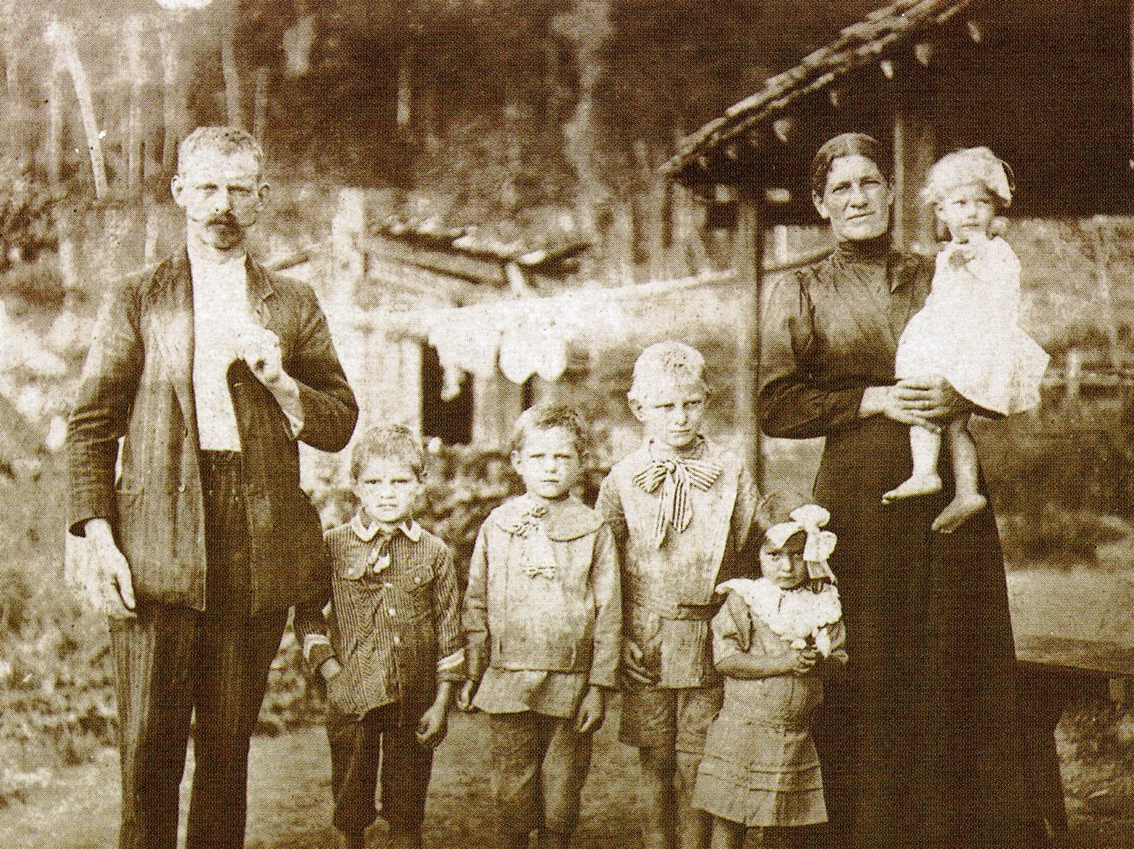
<point>395,618</point>
<point>137,385</point>
<point>543,591</point>
<point>668,575</point>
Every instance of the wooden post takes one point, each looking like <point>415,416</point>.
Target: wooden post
<point>60,34</point>
<point>137,70</point>
<point>651,211</point>
<point>260,103</point>
<point>915,147</point>
<point>173,101</point>
<point>404,113</point>
<point>55,120</point>
<point>509,195</point>
<point>233,106</point>
<point>11,36</point>
<point>748,261</point>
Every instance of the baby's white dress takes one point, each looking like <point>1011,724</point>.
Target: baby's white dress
<point>967,332</point>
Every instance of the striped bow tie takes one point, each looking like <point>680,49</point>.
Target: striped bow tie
<point>675,476</point>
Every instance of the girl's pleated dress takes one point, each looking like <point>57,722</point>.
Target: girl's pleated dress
<point>760,766</point>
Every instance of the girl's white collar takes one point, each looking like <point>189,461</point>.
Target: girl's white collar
<point>798,616</point>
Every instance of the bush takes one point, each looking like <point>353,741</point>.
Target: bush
<point>1061,477</point>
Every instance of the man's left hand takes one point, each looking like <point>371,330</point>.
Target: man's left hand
<point>260,348</point>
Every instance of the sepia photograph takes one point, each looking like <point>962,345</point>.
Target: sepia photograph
<point>493,424</point>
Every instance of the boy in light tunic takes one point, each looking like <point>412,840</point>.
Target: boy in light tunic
<point>543,616</point>
<point>680,507</point>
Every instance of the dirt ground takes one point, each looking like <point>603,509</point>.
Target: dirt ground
<point>290,806</point>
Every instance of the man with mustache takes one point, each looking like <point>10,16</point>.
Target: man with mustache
<point>209,369</point>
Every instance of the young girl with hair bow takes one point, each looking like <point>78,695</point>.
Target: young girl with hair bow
<point>774,641</point>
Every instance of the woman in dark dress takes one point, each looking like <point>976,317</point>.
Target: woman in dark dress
<point>920,743</point>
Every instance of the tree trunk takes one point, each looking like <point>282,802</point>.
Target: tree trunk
<point>404,113</point>
<point>60,33</point>
<point>137,70</point>
<point>260,103</point>
<point>55,120</point>
<point>232,101</point>
<point>11,39</point>
<point>173,100</point>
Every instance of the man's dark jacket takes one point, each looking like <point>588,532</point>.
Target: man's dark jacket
<point>138,384</point>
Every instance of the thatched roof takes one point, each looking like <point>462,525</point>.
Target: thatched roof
<point>869,40</point>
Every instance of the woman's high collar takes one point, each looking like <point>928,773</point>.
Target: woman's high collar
<point>866,250</point>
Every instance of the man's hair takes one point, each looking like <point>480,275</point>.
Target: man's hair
<point>671,361</point>
<point>395,442</point>
<point>226,140</point>
<point>547,417</point>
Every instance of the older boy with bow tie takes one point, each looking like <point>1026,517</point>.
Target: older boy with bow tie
<point>680,507</point>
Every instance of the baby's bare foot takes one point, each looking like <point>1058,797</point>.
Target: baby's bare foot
<point>916,485</point>
<point>959,510</point>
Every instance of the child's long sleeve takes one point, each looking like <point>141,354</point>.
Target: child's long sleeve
<point>727,637</point>
<point>311,627</point>
<point>741,526</point>
<point>608,611</point>
<point>447,614</point>
<point>609,506</point>
<point>311,633</point>
<point>474,617</point>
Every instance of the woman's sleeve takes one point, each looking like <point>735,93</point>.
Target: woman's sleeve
<point>792,402</point>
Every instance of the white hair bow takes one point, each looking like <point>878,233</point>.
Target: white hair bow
<point>810,518</point>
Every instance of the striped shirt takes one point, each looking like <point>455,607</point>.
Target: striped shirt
<point>394,619</point>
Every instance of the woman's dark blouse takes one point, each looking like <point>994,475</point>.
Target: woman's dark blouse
<point>920,742</point>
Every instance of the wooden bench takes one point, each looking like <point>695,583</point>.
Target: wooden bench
<point>1054,672</point>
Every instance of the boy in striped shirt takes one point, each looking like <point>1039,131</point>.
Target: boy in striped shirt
<point>390,646</point>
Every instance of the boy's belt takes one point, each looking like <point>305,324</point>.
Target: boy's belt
<point>675,611</point>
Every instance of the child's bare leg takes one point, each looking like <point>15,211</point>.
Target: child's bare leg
<point>727,834</point>
<point>693,824</point>
<point>967,501</point>
<point>925,446</point>
<point>658,767</point>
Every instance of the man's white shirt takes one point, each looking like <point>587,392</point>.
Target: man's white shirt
<point>220,315</point>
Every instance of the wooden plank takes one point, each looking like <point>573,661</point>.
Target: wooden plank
<point>1091,657</point>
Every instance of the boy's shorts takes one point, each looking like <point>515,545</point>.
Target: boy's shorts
<point>675,718</point>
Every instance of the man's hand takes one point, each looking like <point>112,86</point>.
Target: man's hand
<point>433,726</point>
<point>330,668</point>
<point>591,712</point>
<point>465,696</point>
<point>101,572</point>
<point>260,348</point>
<point>634,664</point>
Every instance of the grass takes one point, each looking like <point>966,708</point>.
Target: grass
<point>290,799</point>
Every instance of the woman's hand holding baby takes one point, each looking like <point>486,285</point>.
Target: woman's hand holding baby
<point>803,661</point>
<point>920,402</point>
